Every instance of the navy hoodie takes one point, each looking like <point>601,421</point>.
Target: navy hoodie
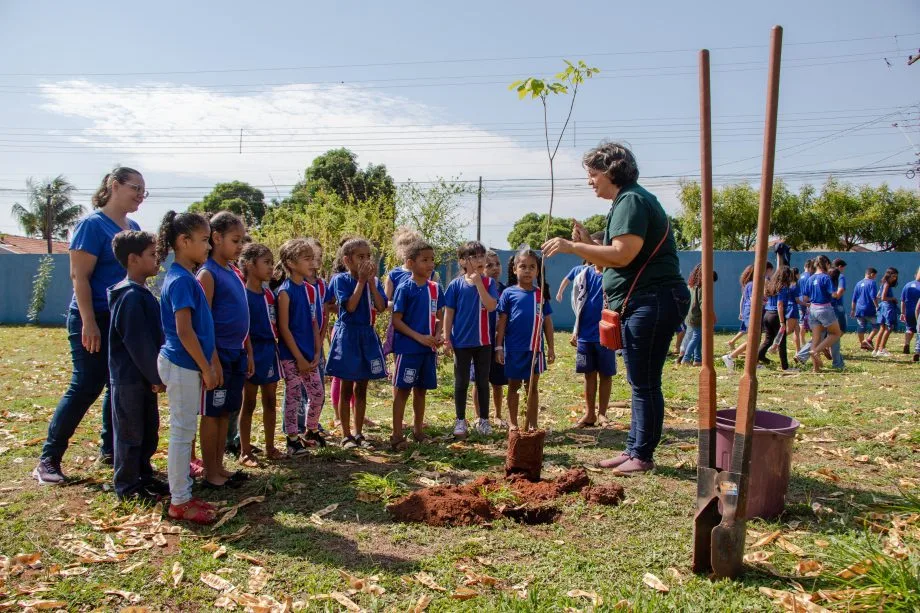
<point>135,334</point>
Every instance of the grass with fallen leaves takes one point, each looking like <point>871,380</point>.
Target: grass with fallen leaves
<point>313,533</point>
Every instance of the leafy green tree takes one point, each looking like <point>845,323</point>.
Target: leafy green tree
<point>894,217</point>
<point>843,216</point>
<point>595,223</point>
<point>328,218</point>
<point>337,172</point>
<point>33,217</point>
<point>237,197</point>
<point>435,212</point>
<point>531,229</point>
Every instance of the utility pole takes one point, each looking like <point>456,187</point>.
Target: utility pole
<point>48,217</point>
<point>479,211</point>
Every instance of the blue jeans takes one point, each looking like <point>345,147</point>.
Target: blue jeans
<point>90,377</point>
<point>694,352</point>
<point>804,353</point>
<point>648,325</point>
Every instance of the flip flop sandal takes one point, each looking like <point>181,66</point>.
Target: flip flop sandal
<point>249,461</point>
<point>201,504</point>
<point>190,511</point>
<point>398,444</point>
<point>602,420</point>
<point>420,438</point>
<point>274,454</point>
<point>581,423</point>
<point>239,475</point>
<point>349,442</point>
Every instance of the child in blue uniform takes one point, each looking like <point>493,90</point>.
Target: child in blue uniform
<point>187,358</point>
<point>910,297</point>
<point>418,310</point>
<point>257,263</point>
<point>299,346</point>
<point>821,312</point>
<point>355,354</point>
<point>597,363</point>
<point>135,337</point>
<point>887,312</point>
<point>468,301</point>
<point>317,291</point>
<point>497,378</point>
<point>744,314</point>
<point>226,296</point>
<point>863,308</point>
<point>778,307</point>
<point>803,302</point>
<point>522,324</point>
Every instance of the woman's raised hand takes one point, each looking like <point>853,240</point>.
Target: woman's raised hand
<point>580,234</point>
<point>556,245</point>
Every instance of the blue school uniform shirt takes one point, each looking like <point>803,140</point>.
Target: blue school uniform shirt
<point>262,316</point>
<point>472,326</point>
<point>803,284</point>
<point>746,301</point>
<point>820,288</point>
<point>493,315</point>
<point>181,290</point>
<point>419,305</point>
<point>93,234</point>
<point>590,318</point>
<point>397,276</point>
<point>300,320</point>
<point>229,306</point>
<point>524,328</point>
<point>841,284</point>
<point>342,287</point>
<point>317,296</point>
<point>909,296</point>
<point>864,298</point>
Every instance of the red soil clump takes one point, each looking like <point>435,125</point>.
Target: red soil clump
<point>465,505</point>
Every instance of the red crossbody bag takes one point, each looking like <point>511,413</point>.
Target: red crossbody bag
<point>610,329</point>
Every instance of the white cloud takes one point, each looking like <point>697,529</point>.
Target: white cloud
<point>194,132</point>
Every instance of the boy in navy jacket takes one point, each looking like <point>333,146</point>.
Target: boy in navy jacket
<point>135,337</point>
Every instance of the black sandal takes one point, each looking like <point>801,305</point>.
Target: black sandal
<point>349,442</point>
<point>239,476</point>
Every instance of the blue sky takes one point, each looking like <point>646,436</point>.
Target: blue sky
<point>422,87</point>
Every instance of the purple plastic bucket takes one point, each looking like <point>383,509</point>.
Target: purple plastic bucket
<point>771,458</point>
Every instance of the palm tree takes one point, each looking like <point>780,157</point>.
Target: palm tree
<point>35,219</point>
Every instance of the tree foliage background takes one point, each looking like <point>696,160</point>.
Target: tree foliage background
<point>33,215</point>
<point>237,197</point>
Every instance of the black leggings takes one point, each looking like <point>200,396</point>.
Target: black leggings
<point>481,358</point>
<point>771,325</point>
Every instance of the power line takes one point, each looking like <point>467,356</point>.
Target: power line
<point>442,61</point>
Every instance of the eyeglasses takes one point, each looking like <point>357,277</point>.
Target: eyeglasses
<point>137,188</point>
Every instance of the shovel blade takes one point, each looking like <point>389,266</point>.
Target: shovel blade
<point>728,550</point>
<point>704,523</point>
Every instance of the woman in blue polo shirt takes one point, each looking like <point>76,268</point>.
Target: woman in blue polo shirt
<point>94,269</point>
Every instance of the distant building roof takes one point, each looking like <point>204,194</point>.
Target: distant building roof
<point>19,245</point>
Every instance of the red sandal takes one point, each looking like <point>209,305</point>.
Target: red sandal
<point>195,511</point>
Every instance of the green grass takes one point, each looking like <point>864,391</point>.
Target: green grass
<point>856,472</point>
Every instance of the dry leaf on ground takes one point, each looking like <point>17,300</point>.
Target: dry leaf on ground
<point>421,604</point>
<point>464,593</point>
<point>592,596</point>
<point>216,582</point>
<point>177,573</point>
<point>258,579</point>
<point>766,540</point>
<point>654,582</point>
<point>808,568</point>
<point>428,581</point>
<point>792,548</point>
<point>756,557</point>
<point>129,596</point>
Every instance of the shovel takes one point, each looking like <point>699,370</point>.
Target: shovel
<point>722,496</point>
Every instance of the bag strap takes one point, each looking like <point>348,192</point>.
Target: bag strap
<point>667,231</point>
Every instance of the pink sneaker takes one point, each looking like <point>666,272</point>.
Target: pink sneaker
<point>634,466</point>
<point>196,469</point>
<point>614,462</point>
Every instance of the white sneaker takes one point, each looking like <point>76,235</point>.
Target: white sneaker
<point>884,353</point>
<point>728,361</point>
<point>483,427</point>
<point>874,353</point>
<point>460,428</point>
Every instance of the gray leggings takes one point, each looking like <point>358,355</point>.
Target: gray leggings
<point>481,359</point>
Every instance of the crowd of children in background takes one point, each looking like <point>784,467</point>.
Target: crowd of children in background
<point>232,322</point>
<point>796,304</point>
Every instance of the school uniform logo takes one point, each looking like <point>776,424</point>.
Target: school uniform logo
<point>220,397</point>
<point>581,360</point>
<point>376,366</point>
<point>409,375</point>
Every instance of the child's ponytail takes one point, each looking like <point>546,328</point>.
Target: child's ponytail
<point>279,274</point>
<point>175,225</point>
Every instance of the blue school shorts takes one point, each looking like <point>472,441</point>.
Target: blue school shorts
<point>228,398</point>
<point>416,370</point>
<point>355,354</point>
<point>268,364</point>
<point>594,357</point>
<point>497,372</point>
<point>911,322</point>
<point>743,326</point>
<point>864,324</point>
<point>517,365</point>
<point>888,317</point>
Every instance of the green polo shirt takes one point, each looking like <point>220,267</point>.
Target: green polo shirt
<point>637,211</point>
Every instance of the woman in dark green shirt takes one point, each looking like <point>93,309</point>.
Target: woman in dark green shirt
<point>636,225</point>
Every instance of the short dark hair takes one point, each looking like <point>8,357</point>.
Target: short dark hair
<point>614,160</point>
<point>770,265</point>
<point>414,248</point>
<point>871,271</point>
<point>130,242</point>
<point>839,262</point>
<point>470,249</point>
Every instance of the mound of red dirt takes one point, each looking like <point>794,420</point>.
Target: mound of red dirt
<point>534,501</point>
